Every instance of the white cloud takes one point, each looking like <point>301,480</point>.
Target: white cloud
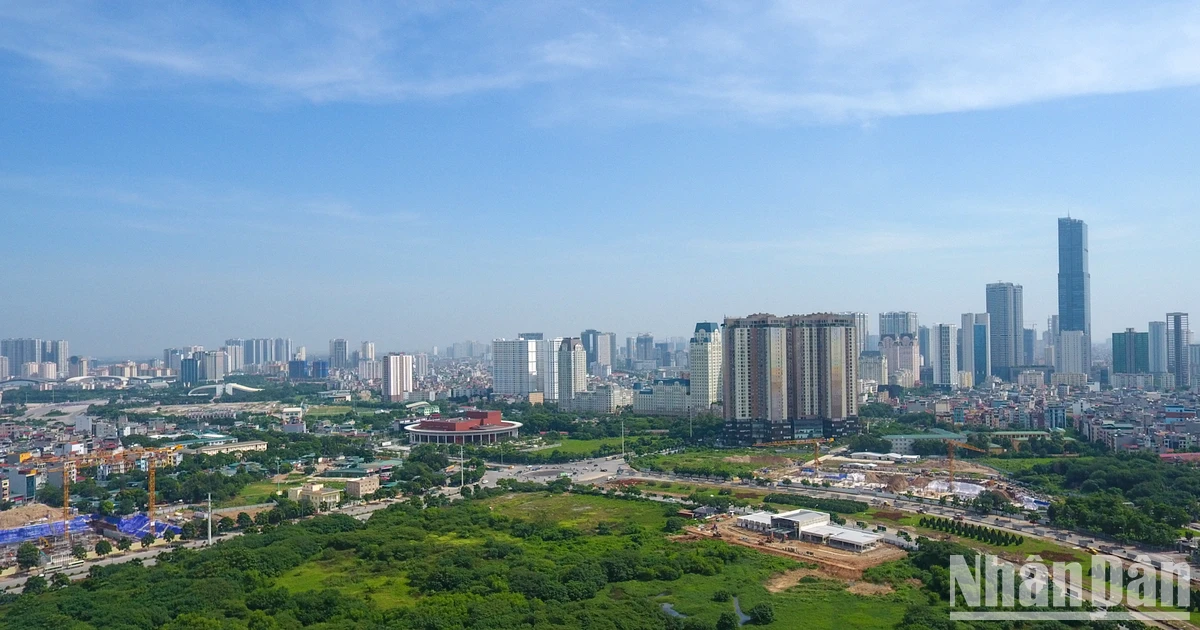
<point>769,60</point>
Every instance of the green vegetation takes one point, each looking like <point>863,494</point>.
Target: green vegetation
<point>257,492</point>
<point>969,530</point>
<point>586,448</point>
<point>715,463</point>
<point>540,560</point>
<point>843,506</point>
<point>1016,465</point>
<point>1131,498</point>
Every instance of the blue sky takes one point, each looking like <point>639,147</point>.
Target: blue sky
<point>442,171</point>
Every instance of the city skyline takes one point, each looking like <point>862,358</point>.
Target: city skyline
<point>336,173</point>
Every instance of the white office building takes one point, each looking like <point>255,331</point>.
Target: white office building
<point>514,367</point>
<point>572,368</point>
<point>705,354</point>
<point>397,377</point>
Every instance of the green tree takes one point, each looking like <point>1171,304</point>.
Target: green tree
<point>244,520</point>
<point>34,585</point>
<point>225,524</point>
<point>762,613</point>
<point>103,548</point>
<point>28,556</point>
<point>79,552</point>
<point>148,539</point>
<point>728,621</point>
<point>124,544</point>
<point>188,531</point>
<point>169,535</point>
<point>60,580</point>
<point>674,524</point>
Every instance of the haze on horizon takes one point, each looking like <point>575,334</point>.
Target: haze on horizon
<point>435,173</point>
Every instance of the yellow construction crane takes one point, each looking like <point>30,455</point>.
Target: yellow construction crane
<point>951,445</point>
<point>816,444</point>
<point>70,465</point>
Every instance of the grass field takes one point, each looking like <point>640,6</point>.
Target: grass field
<point>264,492</point>
<point>257,492</point>
<point>820,604</point>
<point>1015,465</point>
<point>581,511</point>
<point>580,447</point>
<point>348,575</point>
<point>727,462</point>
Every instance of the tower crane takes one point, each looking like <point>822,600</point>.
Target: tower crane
<point>951,446</point>
<point>69,465</point>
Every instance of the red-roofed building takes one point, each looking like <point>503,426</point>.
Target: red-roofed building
<point>477,427</point>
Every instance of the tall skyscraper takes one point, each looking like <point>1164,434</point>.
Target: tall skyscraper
<point>189,371</point>
<point>547,367</point>
<point>1131,352</point>
<point>645,348</point>
<point>977,347</point>
<point>943,354</point>
<point>514,367</point>
<point>1075,283</point>
<point>1158,348</point>
<point>898,323</point>
<point>923,345</point>
<point>1178,339</point>
<point>420,365</point>
<point>56,352</point>
<point>606,345</point>
<point>902,354</point>
<point>339,354</point>
<point>782,373</point>
<point>1005,308</point>
<point>590,338</point>
<point>5,370</point>
<point>212,365</point>
<point>572,368</point>
<point>863,328</point>
<point>282,349</point>
<point>21,351</point>
<point>235,357</point>
<point>397,377</point>
<point>1071,353</point>
<point>704,359</point>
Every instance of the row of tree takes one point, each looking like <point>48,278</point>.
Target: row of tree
<point>988,535</point>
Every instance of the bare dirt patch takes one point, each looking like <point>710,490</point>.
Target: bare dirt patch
<point>869,589</point>
<point>788,579</point>
<point>1057,556</point>
<point>27,514</point>
<point>890,515</point>
<point>784,581</point>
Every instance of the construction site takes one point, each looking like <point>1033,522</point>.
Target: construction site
<point>56,531</point>
<point>936,478</point>
<point>843,564</point>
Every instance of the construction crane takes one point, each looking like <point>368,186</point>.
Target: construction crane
<point>70,464</point>
<point>816,444</point>
<point>951,446</point>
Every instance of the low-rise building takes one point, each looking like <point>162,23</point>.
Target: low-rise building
<point>321,497</point>
<point>358,488</point>
<point>665,397</point>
